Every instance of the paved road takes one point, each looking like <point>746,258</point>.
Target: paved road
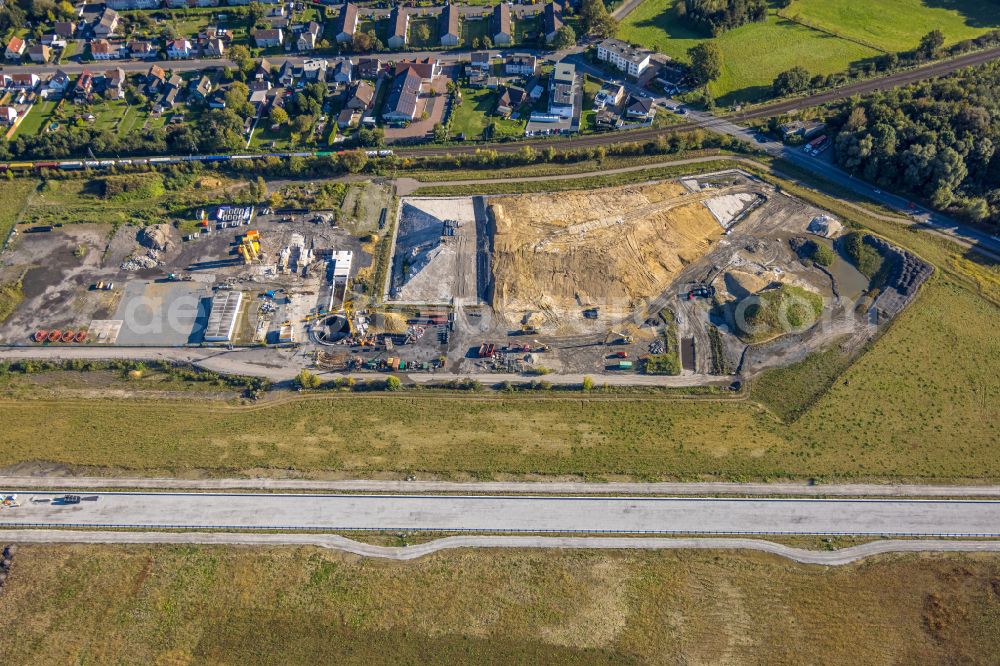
<point>470,513</point>
<point>506,487</point>
<point>334,542</point>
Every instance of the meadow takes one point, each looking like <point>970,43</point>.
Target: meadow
<point>181,604</point>
<point>822,36</point>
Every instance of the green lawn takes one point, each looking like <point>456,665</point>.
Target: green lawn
<point>37,118</point>
<point>898,25</point>
<point>471,115</point>
<point>474,29</point>
<point>431,23</point>
<point>752,54</point>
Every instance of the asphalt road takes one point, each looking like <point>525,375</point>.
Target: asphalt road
<point>797,489</point>
<point>467,513</point>
<point>335,542</point>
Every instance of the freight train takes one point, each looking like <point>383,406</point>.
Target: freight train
<point>73,165</point>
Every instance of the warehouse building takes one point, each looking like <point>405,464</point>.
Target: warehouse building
<point>222,318</point>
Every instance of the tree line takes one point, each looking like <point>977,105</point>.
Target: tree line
<point>717,16</point>
<point>936,139</point>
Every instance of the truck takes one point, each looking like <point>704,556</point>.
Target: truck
<point>624,365</point>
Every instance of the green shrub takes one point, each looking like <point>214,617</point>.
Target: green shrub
<point>865,257</point>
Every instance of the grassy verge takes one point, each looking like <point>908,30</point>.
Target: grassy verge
<point>179,604</point>
<point>15,195</point>
<point>582,183</point>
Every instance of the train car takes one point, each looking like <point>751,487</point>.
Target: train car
<point>124,162</point>
<point>215,158</point>
<point>107,163</point>
<point>69,166</point>
<point>91,164</point>
<point>324,153</point>
<point>243,157</point>
<point>46,165</point>
<point>301,155</point>
<point>385,153</point>
<point>21,166</point>
<point>159,160</point>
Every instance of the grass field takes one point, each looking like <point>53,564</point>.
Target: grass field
<point>72,200</point>
<point>471,115</point>
<point>752,55</point>
<point>898,25</point>
<point>173,605</point>
<point>15,194</point>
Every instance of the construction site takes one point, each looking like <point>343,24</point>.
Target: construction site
<point>712,275</point>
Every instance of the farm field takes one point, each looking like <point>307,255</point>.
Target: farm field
<point>898,25</point>
<point>179,604</point>
<point>752,55</point>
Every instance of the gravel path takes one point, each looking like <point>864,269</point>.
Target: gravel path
<point>334,542</point>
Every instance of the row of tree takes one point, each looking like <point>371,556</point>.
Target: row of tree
<point>936,139</point>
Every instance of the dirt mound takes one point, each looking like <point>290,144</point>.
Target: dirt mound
<point>556,254</point>
<point>156,237</point>
<point>740,284</point>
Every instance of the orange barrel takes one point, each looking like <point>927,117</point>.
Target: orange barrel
<point>54,336</point>
<point>68,336</point>
<point>81,336</point>
<point>41,335</point>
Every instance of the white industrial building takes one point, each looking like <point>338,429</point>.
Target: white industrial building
<point>222,318</point>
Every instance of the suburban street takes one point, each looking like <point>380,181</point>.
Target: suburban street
<point>467,513</point>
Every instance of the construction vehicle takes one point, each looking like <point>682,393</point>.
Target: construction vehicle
<point>701,290</point>
<point>103,286</point>
<point>178,277</point>
<point>249,247</point>
<point>542,347</point>
<point>623,338</point>
<point>528,329</point>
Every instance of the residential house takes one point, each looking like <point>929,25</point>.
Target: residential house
<point>8,115</point>
<point>24,81</point>
<point>608,118</point>
<point>399,21</point>
<point>156,79</point>
<point>500,26</point>
<point>59,82</point>
<point>83,91</point>
<point>286,75</point>
<point>343,72</point>
<point>200,87</point>
<point>312,70</point>
<point>179,49</point>
<point>520,65</point>
<point>563,90</point>
<point>15,48</point>
<point>214,47</point>
<point>141,49</point>
<point>65,29</point>
<point>168,101</point>
<point>53,41</point>
<point>263,71</point>
<point>610,94</point>
<point>114,83</point>
<point>448,26</point>
<point>551,21</point>
<point>368,68</point>
<point>633,61</point>
<point>217,100</point>
<point>106,24</point>
<point>39,53</point>
<point>510,100</point>
<point>102,49</point>
<point>640,108</point>
<point>348,118</point>
<point>268,38</point>
<point>361,96</point>
<point>175,82</point>
<point>428,68</point>
<point>481,60</point>
<point>347,23</point>
<point>401,102</point>
<point>309,37</point>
